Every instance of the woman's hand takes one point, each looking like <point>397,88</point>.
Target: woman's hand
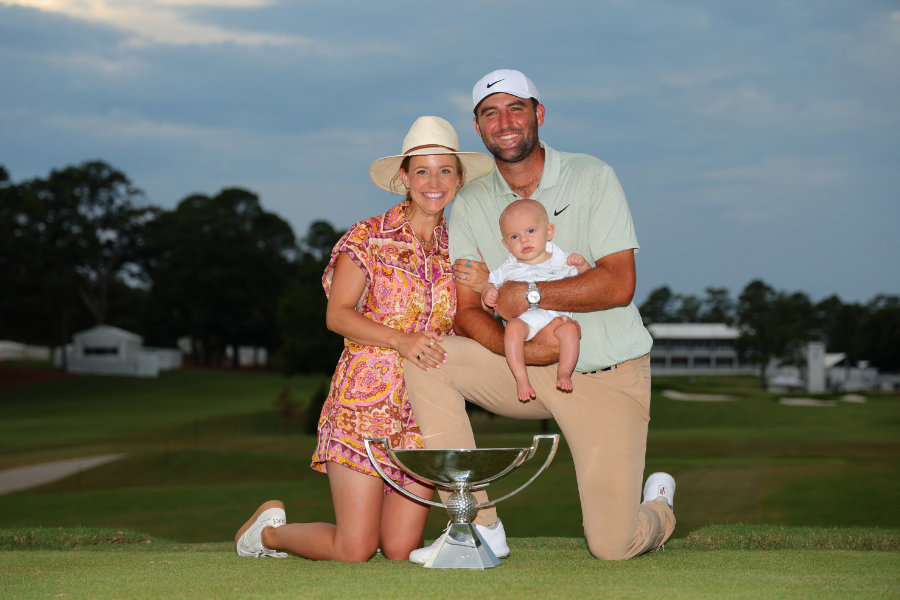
<point>471,273</point>
<point>423,349</point>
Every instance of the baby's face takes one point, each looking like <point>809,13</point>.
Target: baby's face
<point>525,234</point>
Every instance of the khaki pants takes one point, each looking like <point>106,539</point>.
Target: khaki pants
<point>604,421</point>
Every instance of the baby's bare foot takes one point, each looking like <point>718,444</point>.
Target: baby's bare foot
<point>564,383</point>
<point>525,391</point>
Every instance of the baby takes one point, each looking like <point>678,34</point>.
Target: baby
<point>533,257</point>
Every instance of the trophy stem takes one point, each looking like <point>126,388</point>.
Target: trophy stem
<point>462,547</point>
<point>462,506</point>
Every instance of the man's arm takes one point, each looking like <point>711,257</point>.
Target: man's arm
<point>609,284</point>
<point>474,322</point>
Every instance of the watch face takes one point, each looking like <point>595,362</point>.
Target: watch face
<point>533,296</point>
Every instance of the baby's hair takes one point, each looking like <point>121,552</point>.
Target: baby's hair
<point>524,204</point>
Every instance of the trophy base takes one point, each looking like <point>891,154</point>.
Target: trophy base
<point>462,547</point>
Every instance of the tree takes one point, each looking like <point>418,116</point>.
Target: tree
<point>218,266</point>
<point>37,266</point>
<point>717,306</point>
<point>307,344</point>
<point>688,309</point>
<point>838,324</point>
<point>795,312</point>
<point>659,307</point>
<point>68,242</point>
<point>772,324</point>
<point>880,331</point>
<point>109,228</point>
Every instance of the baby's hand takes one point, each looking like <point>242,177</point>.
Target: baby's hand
<point>489,295</point>
<point>578,261</point>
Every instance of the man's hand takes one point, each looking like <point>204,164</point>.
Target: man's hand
<point>511,300</point>
<point>543,348</point>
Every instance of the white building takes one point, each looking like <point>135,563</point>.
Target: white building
<point>248,356</point>
<point>109,350</point>
<point>709,348</point>
<point>695,349</point>
<point>839,375</point>
<point>10,350</point>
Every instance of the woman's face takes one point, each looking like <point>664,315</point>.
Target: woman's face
<point>432,180</point>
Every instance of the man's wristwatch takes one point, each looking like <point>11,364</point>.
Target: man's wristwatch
<point>533,295</point>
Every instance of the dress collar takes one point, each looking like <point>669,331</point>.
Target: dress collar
<point>395,219</point>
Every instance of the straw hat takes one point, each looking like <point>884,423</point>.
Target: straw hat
<point>428,135</point>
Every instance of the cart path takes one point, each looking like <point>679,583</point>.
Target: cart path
<point>22,478</point>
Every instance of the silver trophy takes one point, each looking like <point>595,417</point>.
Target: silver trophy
<point>461,471</point>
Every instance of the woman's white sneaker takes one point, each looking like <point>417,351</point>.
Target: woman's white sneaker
<point>248,541</point>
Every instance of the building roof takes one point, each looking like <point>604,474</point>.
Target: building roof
<point>107,332</point>
<point>834,358</point>
<point>692,331</point>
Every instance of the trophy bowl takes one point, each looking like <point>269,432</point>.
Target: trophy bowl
<point>461,471</point>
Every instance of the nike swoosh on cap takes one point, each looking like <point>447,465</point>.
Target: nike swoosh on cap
<point>495,83</point>
<point>556,213</point>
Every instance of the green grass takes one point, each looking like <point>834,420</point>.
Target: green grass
<point>205,447</point>
<point>812,491</point>
<point>63,417</point>
<point>537,567</point>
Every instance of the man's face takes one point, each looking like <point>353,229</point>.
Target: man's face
<point>508,126</point>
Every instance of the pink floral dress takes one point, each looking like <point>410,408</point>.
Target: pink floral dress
<point>409,289</point>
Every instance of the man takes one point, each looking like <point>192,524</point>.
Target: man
<point>605,418</point>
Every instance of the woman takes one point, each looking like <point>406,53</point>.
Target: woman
<point>391,295</point>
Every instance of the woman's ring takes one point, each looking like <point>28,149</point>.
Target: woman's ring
<point>463,276</point>
<point>419,356</point>
<point>468,264</point>
<point>431,341</point>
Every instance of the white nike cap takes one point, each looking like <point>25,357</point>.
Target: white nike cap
<point>504,81</point>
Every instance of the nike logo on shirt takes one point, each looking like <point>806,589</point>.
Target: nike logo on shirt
<point>556,213</point>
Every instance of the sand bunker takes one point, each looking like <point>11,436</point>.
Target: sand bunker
<point>675,395</point>
<point>806,402</point>
<point>853,398</point>
<point>23,478</point>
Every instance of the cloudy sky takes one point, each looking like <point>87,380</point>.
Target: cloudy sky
<point>755,139</point>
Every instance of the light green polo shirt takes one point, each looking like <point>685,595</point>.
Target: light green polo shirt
<point>587,206</point>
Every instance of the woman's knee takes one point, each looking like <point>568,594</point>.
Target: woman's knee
<point>355,548</point>
<point>397,551</point>
<point>358,553</point>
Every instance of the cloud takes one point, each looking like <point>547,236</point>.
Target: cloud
<point>702,76</point>
<point>165,22</point>
<point>777,189</point>
<point>744,104</point>
<point>727,122</point>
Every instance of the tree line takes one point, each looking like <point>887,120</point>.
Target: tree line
<point>778,324</point>
<point>81,247</point>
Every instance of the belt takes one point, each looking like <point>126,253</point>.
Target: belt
<point>610,368</point>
